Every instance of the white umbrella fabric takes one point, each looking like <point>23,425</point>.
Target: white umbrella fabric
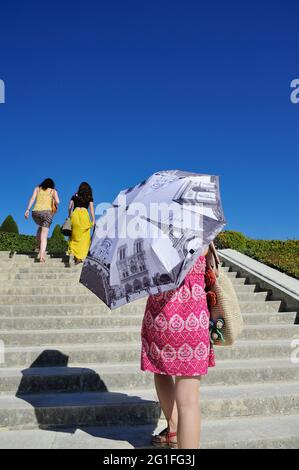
<point>151,236</point>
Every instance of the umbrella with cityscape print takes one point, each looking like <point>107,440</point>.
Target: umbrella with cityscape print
<point>151,236</point>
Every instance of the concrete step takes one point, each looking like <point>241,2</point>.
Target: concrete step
<point>57,290</point>
<point>269,318</point>
<point>67,409</point>
<point>232,274</point>
<point>67,275</point>
<point>40,310</point>
<point>36,268</point>
<point>68,310</point>
<point>142,407</point>
<point>125,335</point>
<point>71,321</point>
<point>68,289</point>
<point>92,377</point>
<point>262,432</point>
<point>49,322</point>
<point>111,353</point>
<point>38,281</point>
<point>24,262</point>
<point>88,298</point>
<point>259,432</point>
<point>257,306</point>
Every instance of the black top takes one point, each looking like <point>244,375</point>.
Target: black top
<point>79,203</point>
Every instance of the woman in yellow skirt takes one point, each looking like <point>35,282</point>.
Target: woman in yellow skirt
<point>80,221</point>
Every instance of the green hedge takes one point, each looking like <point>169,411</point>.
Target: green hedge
<point>230,239</point>
<point>281,255</point>
<point>9,225</point>
<point>27,243</point>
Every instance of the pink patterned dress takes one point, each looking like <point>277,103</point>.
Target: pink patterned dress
<point>175,329</point>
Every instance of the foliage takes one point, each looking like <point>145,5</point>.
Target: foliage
<point>27,243</point>
<point>281,255</point>
<point>9,225</point>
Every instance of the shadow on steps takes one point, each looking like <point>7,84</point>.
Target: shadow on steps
<point>67,399</point>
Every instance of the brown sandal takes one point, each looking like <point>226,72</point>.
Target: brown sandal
<point>163,439</point>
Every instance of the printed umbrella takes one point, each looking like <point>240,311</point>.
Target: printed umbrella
<point>151,236</point>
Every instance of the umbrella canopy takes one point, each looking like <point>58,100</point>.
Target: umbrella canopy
<point>151,236</point>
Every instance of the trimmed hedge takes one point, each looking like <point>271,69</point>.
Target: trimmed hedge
<point>57,234</point>
<point>9,225</point>
<point>27,243</point>
<point>231,239</point>
<point>281,255</point>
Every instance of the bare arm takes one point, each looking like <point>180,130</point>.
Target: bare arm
<point>71,207</point>
<point>55,197</point>
<point>31,201</point>
<point>91,207</point>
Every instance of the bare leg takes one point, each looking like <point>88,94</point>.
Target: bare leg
<point>165,388</point>
<point>187,400</point>
<point>38,234</point>
<point>43,243</point>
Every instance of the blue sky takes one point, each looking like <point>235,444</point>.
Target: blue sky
<point>112,91</point>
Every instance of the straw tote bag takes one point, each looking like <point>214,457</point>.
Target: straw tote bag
<point>53,204</point>
<point>227,305</point>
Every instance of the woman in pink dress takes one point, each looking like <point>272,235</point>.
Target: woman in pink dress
<point>176,342</point>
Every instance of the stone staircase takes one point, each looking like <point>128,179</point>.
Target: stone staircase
<point>72,364</point>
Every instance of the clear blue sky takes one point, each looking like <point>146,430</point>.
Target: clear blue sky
<point>111,91</point>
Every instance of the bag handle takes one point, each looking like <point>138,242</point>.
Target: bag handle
<point>212,260</point>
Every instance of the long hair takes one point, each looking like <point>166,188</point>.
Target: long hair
<point>85,192</point>
<point>47,183</point>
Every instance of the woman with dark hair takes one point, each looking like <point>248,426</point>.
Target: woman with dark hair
<point>80,221</point>
<point>46,198</point>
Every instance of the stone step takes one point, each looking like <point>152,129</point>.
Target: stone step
<point>142,407</point>
<point>232,274</point>
<point>48,322</point>
<point>124,335</point>
<point>67,281</point>
<point>67,276</point>
<point>92,377</point>
<point>72,354</point>
<point>68,289</point>
<point>60,264</point>
<point>29,254</point>
<point>69,310</point>
<point>24,262</point>
<point>37,268</point>
<point>269,318</point>
<point>263,432</point>
<point>88,297</point>
<point>64,290</point>
<point>40,310</point>
<point>71,321</point>
<point>41,282</point>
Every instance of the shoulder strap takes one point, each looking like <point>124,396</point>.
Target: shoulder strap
<point>212,262</point>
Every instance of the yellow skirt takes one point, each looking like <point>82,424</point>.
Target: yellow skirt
<point>80,239</point>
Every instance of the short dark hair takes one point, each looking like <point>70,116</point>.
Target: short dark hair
<point>47,183</point>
